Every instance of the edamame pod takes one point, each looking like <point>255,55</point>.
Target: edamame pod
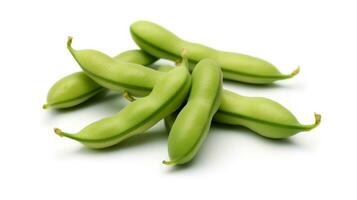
<point>72,90</point>
<point>194,120</point>
<point>114,74</point>
<point>263,116</point>
<point>167,95</point>
<point>77,88</point>
<point>161,43</point>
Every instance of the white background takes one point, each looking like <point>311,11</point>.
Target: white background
<point>234,163</point>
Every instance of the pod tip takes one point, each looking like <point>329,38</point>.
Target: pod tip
<point>183,52</point>
<point>317,119</point>
<point>58,131</point>
<point>69,41</point>
<point>184,59</point>
<point>177,62</point>
<point>128,96</point>
<point>295,72</point>
<point>170,162</point>
<point>45,106</point>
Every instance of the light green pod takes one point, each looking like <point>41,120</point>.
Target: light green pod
<point>167,95</point>
<point>263,116</point>
<point>77,88</point>
<point>114,74</point>
<point>72,90</point>
<point>194,120</point>
<point>161,43</point>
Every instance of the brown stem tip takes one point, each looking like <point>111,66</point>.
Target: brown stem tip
<point>184,53</point>
<point>317,119</point>
<point>69,41</point>
<point>296,71</point>
<point>128,96</point>
<point>168,162</point>
<point>58,131</point>
<point>44,106</point>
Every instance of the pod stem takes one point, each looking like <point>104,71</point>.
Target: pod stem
<point>315,124</point>
<point>170,162</point>
<point>69,45</point>
<point>128,96</point>
<point>67,135</point>
<point>45,106</point>
<point>69,42</point>
<point>184,60</point>
<point>58,132</point>
<point>295,72</point>
<point>317,119</point>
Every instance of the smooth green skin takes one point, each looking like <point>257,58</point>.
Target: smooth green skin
<point>77,88</point>
<point>194,120</point>
<point>72,90</point>
<point>135,56</point>
<point>261,115</point>
<point>113,74</point>
<point>167,95</point>
<point>165,68</point>
<point>162,43</point>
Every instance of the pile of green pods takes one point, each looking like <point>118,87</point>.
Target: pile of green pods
<point>188,97</point>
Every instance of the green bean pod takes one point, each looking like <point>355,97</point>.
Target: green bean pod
<point>194,120</point>
<point>114,74</point>
<point>162,43</point>
<point>167,95</point>
<point>72,90</point>
<point>77,88</point>
<point>263,116</point>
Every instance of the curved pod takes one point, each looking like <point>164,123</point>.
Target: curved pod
<point>162,43</point>
<point>114,74</point>
<point>263,116</point>
<point>167,95</point>
<point>193,122</point>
